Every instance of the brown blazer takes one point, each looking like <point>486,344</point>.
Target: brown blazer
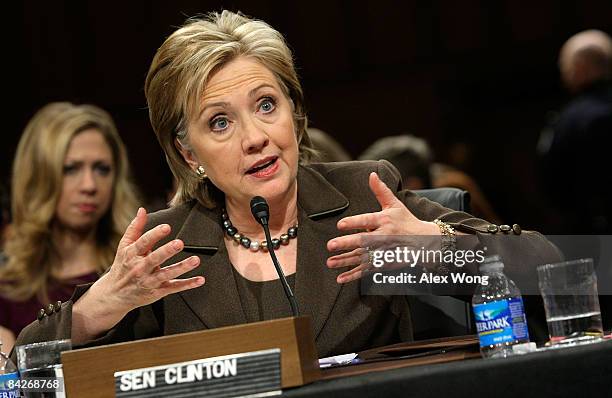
<point>343,320</point>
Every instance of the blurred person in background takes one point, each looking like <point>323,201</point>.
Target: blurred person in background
<point>71,202</point>
<point>574,156</point>
<point>409,154</point>
<point>5,218</point>
<point>412,156</point>
<point>327,148</point>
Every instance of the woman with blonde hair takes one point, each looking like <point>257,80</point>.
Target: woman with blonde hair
<point>71,201</point>
<point>228,110</point>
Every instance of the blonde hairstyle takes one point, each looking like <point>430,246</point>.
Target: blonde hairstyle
<point>36,188</point>
<point>181,69</point>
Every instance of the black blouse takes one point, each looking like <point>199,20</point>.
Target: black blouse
<point>262,301</point>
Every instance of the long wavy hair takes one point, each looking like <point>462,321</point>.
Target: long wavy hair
<point>36,188</point>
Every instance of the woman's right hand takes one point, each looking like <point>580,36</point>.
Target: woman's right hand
<point>135,279</point>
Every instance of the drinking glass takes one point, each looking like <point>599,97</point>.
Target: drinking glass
<point>40,368</point>
<point>569,290</point>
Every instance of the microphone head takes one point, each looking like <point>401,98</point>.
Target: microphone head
<point>260,209</point>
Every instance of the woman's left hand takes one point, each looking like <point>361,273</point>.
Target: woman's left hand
<point>393,219</point>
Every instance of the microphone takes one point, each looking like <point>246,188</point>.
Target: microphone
<point>261,213</point>
<point>260,210</point>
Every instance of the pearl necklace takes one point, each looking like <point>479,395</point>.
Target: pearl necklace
<point>255,246</point>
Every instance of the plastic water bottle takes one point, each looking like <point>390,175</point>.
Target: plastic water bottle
<point>498,311</point>
<point>9,377</point>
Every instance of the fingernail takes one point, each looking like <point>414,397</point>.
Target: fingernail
<point>137,214</point>
<point>194,260</point>
<point>332,245</point>
<point>165,228</point>
<point>140,211</point>
<point>342,224</point>
<point>177,244</point>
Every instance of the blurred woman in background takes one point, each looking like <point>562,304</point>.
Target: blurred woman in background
<point>71,201</point>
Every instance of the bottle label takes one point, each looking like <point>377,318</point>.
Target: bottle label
<point>9,385</point>
<point>501,321</point>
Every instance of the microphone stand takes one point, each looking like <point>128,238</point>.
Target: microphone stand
<point>279,271</point>
<point>261,213</point>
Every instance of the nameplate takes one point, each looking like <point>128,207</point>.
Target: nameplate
<point>251,374</point>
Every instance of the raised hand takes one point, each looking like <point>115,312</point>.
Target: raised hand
<point>135,279</point>
<point>393,219</point>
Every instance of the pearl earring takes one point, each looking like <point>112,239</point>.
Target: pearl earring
<point>201,172</point>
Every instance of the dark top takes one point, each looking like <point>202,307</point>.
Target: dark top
<point>15,315</point>
<point>575,163</point>
<point>342,319</point>
<point>262,301</point>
